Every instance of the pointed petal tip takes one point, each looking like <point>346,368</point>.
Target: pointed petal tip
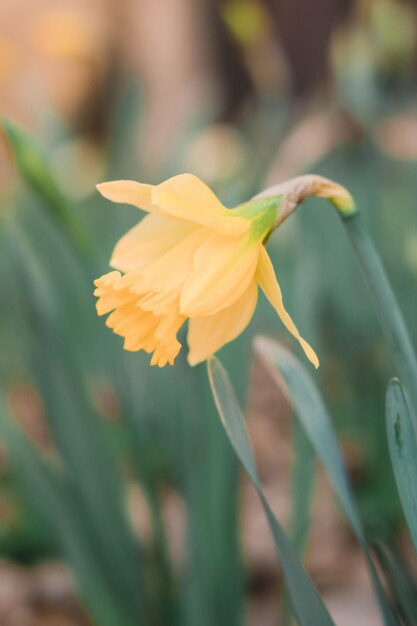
<point>310,354</point>
<point>109,184</point>
<point>104,189</point>
<point>193,360</point>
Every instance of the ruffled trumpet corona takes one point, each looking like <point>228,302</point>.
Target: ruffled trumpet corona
<point>193,259</point>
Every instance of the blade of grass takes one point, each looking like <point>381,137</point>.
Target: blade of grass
<point>307,603</point>
<point>313,415</point>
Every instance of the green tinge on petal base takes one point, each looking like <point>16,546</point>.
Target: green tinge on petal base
<point>262,213</point>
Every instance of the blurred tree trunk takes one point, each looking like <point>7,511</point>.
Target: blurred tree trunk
<point>228,61</point>
<point>188,60</point>
<point>304,29</point>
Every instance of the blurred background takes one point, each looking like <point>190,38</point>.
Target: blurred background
<point>121,503</point>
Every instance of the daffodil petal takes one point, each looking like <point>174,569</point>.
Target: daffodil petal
<point>165,353</point>
<point>160,283</point>
<point>126,316</point>
<point>129,192</point>
<point>147,241</point>
<point>267,281</point>
<point>108,296</point>
<point>185,196</point>
<point>206,335</point>
<point>141,329</point>
<point>168,345</point>
<point>222,271</point>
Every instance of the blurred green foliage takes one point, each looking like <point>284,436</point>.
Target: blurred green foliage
<point>81,488</point>
<point>163,437</point>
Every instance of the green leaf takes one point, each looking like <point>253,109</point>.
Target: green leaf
<point>312,413</point>
<point>403,449</point>
<point>400,581</point>
<point>387,309</point>
<point>302,488</point>
<point>33,166</point>
<point>303,476</point>
<point>55,496</point>
<point>307,603</point>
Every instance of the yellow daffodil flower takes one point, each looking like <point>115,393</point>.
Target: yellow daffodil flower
<point>190,259</point>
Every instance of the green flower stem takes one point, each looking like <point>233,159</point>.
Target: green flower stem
<point>387,308</point>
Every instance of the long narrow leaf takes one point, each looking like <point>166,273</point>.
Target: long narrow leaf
<point>52,494</point>
<point>33,166</point>
<point>313,415</point>
<point>307,603</point>
<point>303,476</point>
<point>403,449</point>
